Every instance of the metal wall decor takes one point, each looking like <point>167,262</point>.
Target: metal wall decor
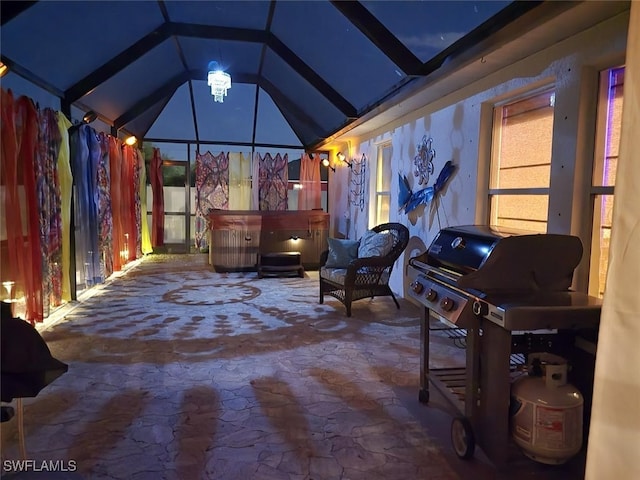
<point>423,160</point>
<point>358,183</point>
<point>409,200</point>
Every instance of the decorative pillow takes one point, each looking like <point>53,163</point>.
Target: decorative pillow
<point>341,252</point>
<point>374,244</point>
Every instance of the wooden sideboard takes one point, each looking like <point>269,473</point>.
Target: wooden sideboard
<point>236,237</point>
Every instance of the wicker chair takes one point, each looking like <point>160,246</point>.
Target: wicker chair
<point>364,277</point>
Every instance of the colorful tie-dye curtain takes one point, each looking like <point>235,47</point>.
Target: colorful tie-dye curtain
<point>157,206</point>
<point>131,203</point>
<point>22,266</point>
<point>212,190</point>
<point>115,164</point>
<point>85,155</point>
<point>46,163</point>
<point>239,181</point>
<point>65,179</point>
<point>48,194</point>
<point>105,212</point>
<point>309,194</point>
<point>126,194</point>
<point>273,176</point>
<point>255,184</point>
<point>145,234</point>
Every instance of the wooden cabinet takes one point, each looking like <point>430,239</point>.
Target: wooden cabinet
<point>236,237</point>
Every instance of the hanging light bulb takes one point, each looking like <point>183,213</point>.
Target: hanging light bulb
<point>219,81</point>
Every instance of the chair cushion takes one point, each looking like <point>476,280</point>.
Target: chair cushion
<point>374,244</point>
<point>341,252</point>
<point>336,275</point>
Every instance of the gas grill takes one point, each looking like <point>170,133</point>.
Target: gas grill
<point>508,291</point>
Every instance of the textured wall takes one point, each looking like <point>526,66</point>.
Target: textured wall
<point>460,126</point>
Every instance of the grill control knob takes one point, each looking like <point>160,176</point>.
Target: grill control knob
<point>431,295</point>
<point>480,308</point>
<point>447,304</point>
<point>417,287</point>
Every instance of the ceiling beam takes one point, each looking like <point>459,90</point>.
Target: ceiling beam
<point>11,9</point>
<point>217,33</point>
<point>263,53</point>
<point>284,105</point>
<point>512,22</point>
<point>185,66</point>
<point>166,90</point>
<point>484,31</point>
<point>311,76</point>
<point>194,115</point>
<point>265,36</point>
<point>163,103</point>
<point>222,142</point>
<point>380,36</point>
<point>148,42</point>
<point>119,62</point>
<point>201,74</point>
<point>30,76</point>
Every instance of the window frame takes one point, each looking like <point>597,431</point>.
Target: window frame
<point>596,189</point>
<point>497,115</point>
<point>379,193</point>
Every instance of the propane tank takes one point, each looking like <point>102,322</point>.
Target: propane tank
<point>546,411</point>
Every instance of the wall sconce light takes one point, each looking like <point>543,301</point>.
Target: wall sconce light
<point>131,140</point>
<point>326,163</point>
<point>342,158</point>
<point>89,117</point>
<point>294,238</point>
<point>3,69</point>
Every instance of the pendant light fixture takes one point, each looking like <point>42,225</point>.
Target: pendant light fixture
<point>219,81</point>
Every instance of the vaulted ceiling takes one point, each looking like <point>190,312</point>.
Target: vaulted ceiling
<point>320,65</point>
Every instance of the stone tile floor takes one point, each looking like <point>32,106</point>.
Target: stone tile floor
<point>178,372</point>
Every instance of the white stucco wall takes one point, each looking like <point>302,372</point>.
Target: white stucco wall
<point>460,126</point>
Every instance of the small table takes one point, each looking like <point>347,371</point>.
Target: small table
<point>280,262</point>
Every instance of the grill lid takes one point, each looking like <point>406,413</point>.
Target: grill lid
<point>493,259</point>
<point>463,249</point>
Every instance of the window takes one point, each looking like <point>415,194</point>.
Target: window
<point>609,123</point>
<point>383,183</point>
<point>521,162</point>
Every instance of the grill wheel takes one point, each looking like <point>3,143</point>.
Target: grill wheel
<point>462,438</point>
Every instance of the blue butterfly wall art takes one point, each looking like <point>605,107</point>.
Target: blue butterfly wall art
<point>409,201</point>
